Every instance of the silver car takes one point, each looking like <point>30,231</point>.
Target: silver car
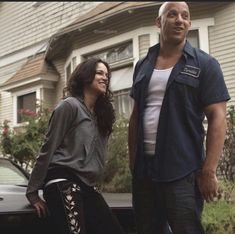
<point>16,214</point>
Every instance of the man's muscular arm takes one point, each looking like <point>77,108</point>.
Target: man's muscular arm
<point>207,180</point>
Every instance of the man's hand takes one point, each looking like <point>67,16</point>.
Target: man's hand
<point>208,185</point>
<point>41,208</point>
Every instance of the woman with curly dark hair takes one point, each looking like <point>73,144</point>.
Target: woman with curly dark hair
<point>71,160</point>
<point>83,76</point>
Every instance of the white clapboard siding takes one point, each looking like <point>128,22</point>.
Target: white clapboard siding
<point>202,9</point>
<point>59,65</point>
<point>222,37</point>
<point>22,24</point>
<point>49,98</point>
<point>144,44</point>
<point>118,25</point>
<point>6,105</point>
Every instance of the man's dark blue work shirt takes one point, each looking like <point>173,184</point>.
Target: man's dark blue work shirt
<point>195,82</point>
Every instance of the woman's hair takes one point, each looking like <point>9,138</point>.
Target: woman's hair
<point>83,75</point>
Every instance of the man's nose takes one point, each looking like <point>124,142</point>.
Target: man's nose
<point>179,18</point>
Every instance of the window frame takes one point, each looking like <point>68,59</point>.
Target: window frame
<point>15,97</point>
<point>21,99</point>
<point>106,50</point>
<point>119,95</point>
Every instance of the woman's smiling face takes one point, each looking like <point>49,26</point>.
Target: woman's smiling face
<point>100,83</point>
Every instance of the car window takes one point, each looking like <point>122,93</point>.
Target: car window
<point>10,174</point>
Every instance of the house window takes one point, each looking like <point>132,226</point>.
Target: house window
<point>26,103</point>
<point>120,84</point>
<point>115,54</point>
<point>123,104</point>
<point>119,53</point>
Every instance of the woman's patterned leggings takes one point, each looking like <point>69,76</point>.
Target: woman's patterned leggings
<point>79,209</point>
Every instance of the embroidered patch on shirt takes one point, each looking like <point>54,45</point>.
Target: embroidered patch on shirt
<point>191,71</point>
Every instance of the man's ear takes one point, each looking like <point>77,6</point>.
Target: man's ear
<point>158,21</point>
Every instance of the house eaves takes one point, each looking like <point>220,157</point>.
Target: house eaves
<point>100,13</point>
<point>35,69</point>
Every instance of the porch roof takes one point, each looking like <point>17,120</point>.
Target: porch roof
<point>99,14</point>
<point>35,66</point>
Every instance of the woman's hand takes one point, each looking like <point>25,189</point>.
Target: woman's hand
<point>41,208</point>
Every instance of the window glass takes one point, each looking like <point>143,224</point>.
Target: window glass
<point>26,103</point>
<point>115,54</point>
<point>121,78</point>
<point>123,103</point>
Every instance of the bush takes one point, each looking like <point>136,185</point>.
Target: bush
<point>22,144</point>
<point>226,168</point>
<point>117,176</point>
<point>219,217</point>
<point>6,142</point>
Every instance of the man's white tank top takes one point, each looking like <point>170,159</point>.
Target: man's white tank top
<point>156,92</point>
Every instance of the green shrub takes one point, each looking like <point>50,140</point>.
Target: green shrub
<point>226,168</point>
<point>117,176</point>
<point>22,144</point>
<point>6,141</point>
<point>219,217</point>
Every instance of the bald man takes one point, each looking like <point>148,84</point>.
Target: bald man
<point>174,88</point>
